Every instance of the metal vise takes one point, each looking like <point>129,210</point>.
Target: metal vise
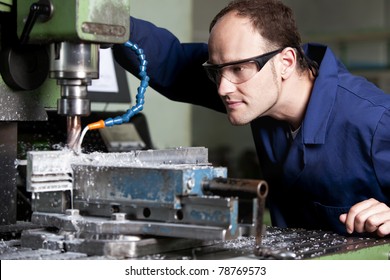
<point>165,193</point>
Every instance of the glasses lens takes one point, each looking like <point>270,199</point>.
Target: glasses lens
<point>240,73</point>
<point>213,73</point>
<point>237,73</point>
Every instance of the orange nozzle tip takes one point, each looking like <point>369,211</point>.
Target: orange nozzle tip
<point>96,125</point>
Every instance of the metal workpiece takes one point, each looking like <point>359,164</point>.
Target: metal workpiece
<point>54,171</point>
<point>63,160</point>
<point>51,161</point>
<point>175,156</point>
<point>49,171</point>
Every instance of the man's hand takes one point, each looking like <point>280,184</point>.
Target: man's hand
<point>369,216</point>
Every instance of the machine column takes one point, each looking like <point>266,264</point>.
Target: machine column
<point>8,188</point>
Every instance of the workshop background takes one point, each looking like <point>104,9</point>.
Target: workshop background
<point>357,30</point>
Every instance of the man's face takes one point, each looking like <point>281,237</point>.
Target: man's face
<point>232,39</point>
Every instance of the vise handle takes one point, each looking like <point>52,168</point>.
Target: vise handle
<point>243,189</point>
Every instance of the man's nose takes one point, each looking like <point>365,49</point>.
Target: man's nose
<point>225,86</point>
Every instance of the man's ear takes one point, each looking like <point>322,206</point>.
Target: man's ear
<point>288,59</point>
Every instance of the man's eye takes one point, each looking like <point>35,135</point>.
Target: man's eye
<point>238,68</point>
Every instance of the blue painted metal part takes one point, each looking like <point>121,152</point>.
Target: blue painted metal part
<point>170,193</point>
<point>160,185</point>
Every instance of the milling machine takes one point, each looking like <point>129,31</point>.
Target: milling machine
<point>56,39</point>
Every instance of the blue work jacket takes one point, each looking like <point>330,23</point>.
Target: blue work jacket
<point>341,154</point>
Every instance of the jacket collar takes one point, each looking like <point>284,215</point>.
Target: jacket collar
<point>315,123</point>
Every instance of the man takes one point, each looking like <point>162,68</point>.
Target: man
<point>322,135</point>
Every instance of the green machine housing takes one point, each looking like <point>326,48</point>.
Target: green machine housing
<point>97,21</point>
<point>49,52</point>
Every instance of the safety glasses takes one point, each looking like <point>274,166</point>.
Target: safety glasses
<point>240,71</point>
